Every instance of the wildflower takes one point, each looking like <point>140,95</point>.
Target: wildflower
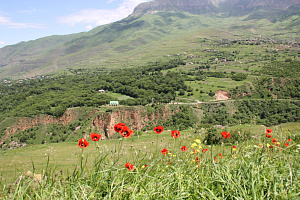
<point>164,151</point>
<point>95,136</point>
<point>225,134</point>
<point>144,166</point>
<point>286,144</point>
<point>194,145</point>
<point>289,140</point>
<point>82,143</point>
<point>198,141</point>
<point>197,159</point>
<point>234,148</point>
<point>220,155</point>
<point>204,150</point>
<point>269,146</point>
<point>274,140</point>
<point>126,132</point>
<point>129,166</point>
<point>118,127</point>
<point>183,148</point>
<point>158,129</point>
<point>195,151</point>
<point>268,131</point>
<point>268,136</point>
<point>175,134</point>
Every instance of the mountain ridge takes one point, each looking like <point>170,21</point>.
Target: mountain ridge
<point>212,6</point>
<point>118,43</point>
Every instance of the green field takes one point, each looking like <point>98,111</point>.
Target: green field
<point>267,173</point>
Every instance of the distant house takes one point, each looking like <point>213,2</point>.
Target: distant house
<point>114,103</point>
<point>101,91</point>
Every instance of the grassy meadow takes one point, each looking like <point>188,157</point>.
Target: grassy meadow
<point>257,168</point>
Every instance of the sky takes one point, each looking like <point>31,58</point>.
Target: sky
<point>24,20</point>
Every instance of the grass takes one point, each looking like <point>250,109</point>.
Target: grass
<point>250,172</point>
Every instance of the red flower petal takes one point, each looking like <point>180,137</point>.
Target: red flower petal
<point>164,151</point>
<point>175,134</point>
<point>83,143</point>
<point>183,148</point>
<point>126,132</point>
<point>158,130</point>
<point>95,136</point>
<point>204,150</point>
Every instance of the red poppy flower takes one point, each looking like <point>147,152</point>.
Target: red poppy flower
<point>183,148</point>
<point>268,136</point>
<point>271,146</point>
<point>95,136</point>
<point>129,166</point>
<point>164,151</point>
<point>204,150</point>
<point>118,127</point>
<point>286,144</point>
<point>158,129</point>
<point>220,155</point>
<point>197,159</point>
<point>195,151</point>
<point>126,132</point>
<point>82,143</point>
<point>175,134</point>
<point>289,140</point>
<point>268,131</point>
<point>274,140</point>
<point>225,134</point>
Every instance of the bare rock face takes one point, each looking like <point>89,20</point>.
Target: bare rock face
<point>246,6</point>
<point>191,6</point>
<point>222,95</point>
<point>135,118</point>
<point>238,7</point>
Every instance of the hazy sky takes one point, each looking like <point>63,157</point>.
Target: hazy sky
<point>23,20</point>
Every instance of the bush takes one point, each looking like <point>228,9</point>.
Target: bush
<point>214,136</point>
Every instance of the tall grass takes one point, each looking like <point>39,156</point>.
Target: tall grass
<point>253,171</point>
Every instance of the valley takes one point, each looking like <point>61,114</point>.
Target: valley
<point>224,75</point>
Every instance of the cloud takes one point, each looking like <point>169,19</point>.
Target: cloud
<point>5,21</point>
<point>99,16</point>
<point>89,27</point>
<point>2,43</point>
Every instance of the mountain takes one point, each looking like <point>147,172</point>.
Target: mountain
<point>190,6</point>
<point>154,29</point>
<point>231,7</point>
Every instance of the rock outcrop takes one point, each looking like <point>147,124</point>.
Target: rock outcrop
<point>135,117</point>
<point>232,7</point>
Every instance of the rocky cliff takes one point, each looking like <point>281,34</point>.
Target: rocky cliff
<point>191,6</point>
<point>134,117</point>
<point>240,7</point>
<point>24,123</point>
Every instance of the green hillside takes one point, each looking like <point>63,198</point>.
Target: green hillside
<point>137,40</point>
